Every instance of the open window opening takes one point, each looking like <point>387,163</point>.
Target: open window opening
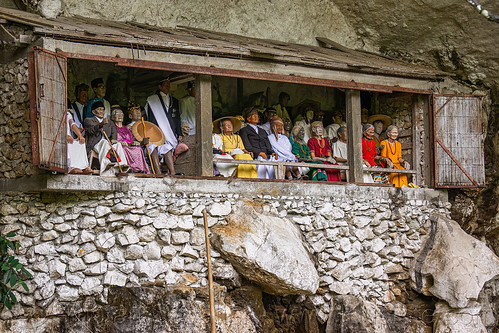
<point>224,96</point>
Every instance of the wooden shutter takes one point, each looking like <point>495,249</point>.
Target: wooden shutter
<point>459,158</point>
<point>48,110</point>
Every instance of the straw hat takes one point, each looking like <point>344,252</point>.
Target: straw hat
<point>154,133</point>
<point>236,124</point>
<point>387,121</point>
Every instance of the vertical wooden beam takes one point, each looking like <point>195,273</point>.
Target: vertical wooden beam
<point>354,131</point>
<point>417,131</point>
<point>32,79</point>
<point>427,140</point>
<point>204,152</point>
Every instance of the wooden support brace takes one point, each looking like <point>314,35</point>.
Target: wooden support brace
<point>204,156</point>
<point>354,132</point>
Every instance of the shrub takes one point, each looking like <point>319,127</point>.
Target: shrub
<point>12,272</point>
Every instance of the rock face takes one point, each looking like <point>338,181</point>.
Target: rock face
<point>267,250</point>
<point>141,310</point>
<point>355,314</point>
<point>452,265</point>
<point>463,320</point>
<point>352,314</point>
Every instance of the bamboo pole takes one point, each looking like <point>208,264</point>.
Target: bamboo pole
<point>210,276</point>
<point>147,147</point>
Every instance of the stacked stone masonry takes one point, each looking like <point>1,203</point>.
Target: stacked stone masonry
<point>79,244</point>
<point>15,133</point>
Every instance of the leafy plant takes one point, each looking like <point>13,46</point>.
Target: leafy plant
<point>11,271</point>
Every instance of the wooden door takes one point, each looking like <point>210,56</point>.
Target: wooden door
<point>49,110</point>
<point>459,157</point>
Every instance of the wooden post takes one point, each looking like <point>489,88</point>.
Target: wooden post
<point>280,172</point>
<point>211,290</point>
<point>354,132</point>
<point>417,129</point>
<point>427,141</point>
<point>204,155</point>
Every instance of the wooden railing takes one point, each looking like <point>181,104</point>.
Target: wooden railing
<point>280,166</point>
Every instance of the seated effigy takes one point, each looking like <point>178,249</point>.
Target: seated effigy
<point>340,149</point>
<point>232,144</point>
<point>331,131</point>
<point>219,168</point>
<point>393,151</point>
<point>308,115</point>
<point>77,153</point>
<point>321,150</point>
<point>282,146</point>
<point>163,111</point>
<point>268,114</point>
<point>131,147</point>
<point>256,141</point>
<point>302,152</point>
<point>101,138</point>
<point>280,107</point>
<point>370,155</point>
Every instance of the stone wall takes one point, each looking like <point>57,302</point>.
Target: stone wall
<point>15,133</point>
<point>80,244</point>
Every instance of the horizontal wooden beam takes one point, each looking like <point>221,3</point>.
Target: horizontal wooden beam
<point>310,165</point>
<point>257,70</point>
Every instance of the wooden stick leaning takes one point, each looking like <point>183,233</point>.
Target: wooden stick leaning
<point>112,149</point>
<point>210,276</point>
<point>147,147</point>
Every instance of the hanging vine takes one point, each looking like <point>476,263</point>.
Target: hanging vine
<point>484,12</point>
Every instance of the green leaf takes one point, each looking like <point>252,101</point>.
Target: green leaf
<point>11,245</point>
<point>13,280</point>
<point>12,297</point>
<point>3,247</point>
<point>26,272</point>
<point>7,303</point>
<point>11,234</point>
<point>24,286</point>
<point>6,277</point>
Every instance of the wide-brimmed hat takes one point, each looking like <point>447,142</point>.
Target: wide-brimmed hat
<point>154,133</point>
<point>387,120</point>
<point>236,124</point>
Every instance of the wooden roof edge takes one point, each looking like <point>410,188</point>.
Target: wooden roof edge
<point>54,27</point>
<point>323,65</point>
<point>27,18</point>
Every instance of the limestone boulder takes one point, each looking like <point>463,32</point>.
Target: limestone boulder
<point>466,320</point>
<point>451,264</point>
<point>352,314</point>
<point>267,250</point>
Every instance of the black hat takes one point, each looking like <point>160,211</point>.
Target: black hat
<point>98,104</point>
<point>249,111</point>
<point>95,82</point>
<point>163,79</point>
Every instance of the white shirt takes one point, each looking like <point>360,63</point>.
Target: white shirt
<point>187,106</point>
<point>340,150</point>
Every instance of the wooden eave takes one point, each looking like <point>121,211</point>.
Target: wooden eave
<point>185,40</point>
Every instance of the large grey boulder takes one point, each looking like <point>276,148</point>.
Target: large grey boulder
<point>447,320</point>
<point>451,264</point>
<point>267,250</point>
<point>350,314</point>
